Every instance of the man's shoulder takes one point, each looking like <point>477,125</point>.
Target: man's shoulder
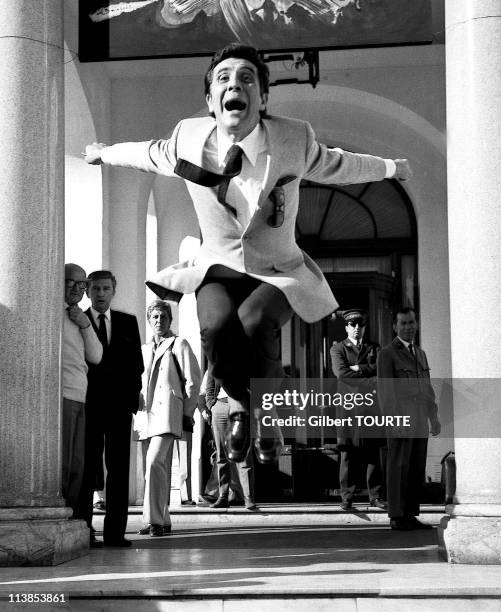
<point>286,123</point>
<point>123,318</point>
<point>393,346</point>
<point>341,346</point>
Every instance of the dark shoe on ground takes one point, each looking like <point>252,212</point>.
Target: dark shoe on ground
<point>156,531</point>
<point>221,502</point>
<point>167,530</point>
<point>268,450</point>
<point>237,436</point>
<point>347,504</point>
<point>118,543</point>
<point>249,504</point>
<point>93,543</point>
<point>400,524</point>
<point>144,530</point>
<point>378,503</point>
<point>188,502</point>
<point>415,524</point>
<point>100,505</point>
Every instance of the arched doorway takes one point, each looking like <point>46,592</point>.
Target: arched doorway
<point>364,238</point>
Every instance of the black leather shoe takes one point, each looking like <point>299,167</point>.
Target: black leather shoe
<point>156,531</point>
<point>237,436</point>
<point>221,502</point>
<point>347,505</point>
<point>167,530</point>
<point>268,450</point>
<point>118,543</point>
<point>93,543</point>
<point>415,524</point>
<point>188,502</point>
<point>400,524</point>
<point>378,503</point>
<point>144,530</point>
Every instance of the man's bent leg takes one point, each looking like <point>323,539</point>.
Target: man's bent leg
<point>263,313</point>
<point>229,353</point>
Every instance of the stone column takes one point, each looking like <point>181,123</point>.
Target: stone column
<point>472,532</point>
<point>34,525</point>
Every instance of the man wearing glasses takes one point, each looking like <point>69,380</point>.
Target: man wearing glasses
<point>80,344</point>
<point>354,364</point>
<point>243,170</point>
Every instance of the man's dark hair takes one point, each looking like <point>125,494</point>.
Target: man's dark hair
<point>403,311</point>
<point>243,52</point>
<point>102,275</point>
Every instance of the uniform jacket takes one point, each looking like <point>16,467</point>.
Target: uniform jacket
<point>263,252</point>
<point>343,355</point>
<point>404,386</point>
<point>164,397</point>
<point>115,382</point>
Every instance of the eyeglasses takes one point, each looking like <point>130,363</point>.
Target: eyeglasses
<point>355,323</point>
<point>70,283</point>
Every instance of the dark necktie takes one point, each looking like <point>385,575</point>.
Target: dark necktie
<point>232,167</point>
<point>101,331</point>
<point>411,349</point>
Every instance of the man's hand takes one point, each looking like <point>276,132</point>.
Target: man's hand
<point>207,417</point>
<point>355,368</point>
<point>78,316</point>
<point>435,427</point>
<point>92,153</point>
<point>403,171</point>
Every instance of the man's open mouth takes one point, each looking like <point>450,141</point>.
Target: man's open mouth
<point>232,105</point>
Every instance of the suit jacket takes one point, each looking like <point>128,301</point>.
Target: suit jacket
<point>164,397</point>
<point>263,252</point>
<point>343,355</point>
<point>404,386</point>
<point>115,382</point>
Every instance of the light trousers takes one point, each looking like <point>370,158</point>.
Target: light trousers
<point>157,478</point>
<point>182,451</point>
<point>73,451</point>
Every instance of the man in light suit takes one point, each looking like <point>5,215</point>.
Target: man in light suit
<point>404,389</point>
<point>112,398</point>
<point>354,364</point>
<point>243,170</point>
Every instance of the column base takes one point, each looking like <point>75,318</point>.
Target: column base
<point>39,538</point>
<point>470,539</point>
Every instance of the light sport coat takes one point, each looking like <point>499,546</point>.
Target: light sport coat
<point>164,399</point>
<point>258,250</point>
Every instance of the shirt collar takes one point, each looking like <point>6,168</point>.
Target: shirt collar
<point>96,314</point>
<point>251,144</point>
<point>406,344</point>
<point>354,342</point>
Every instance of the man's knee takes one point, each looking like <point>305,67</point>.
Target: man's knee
<point>216,329</point>
<point>258,323</point>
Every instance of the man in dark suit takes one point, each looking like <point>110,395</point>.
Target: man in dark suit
<point>354,364</point>
<point>404,389</point>
<point>112,397</point>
